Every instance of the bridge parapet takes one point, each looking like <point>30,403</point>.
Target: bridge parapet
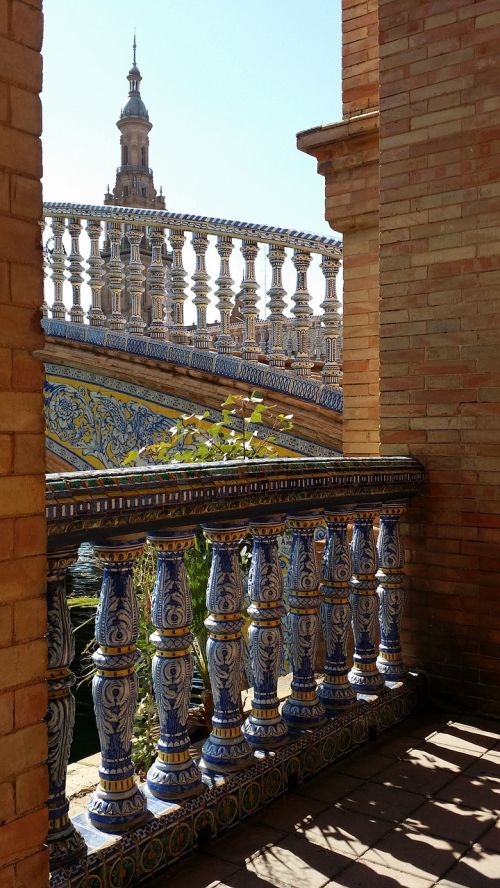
<point>138,286</point>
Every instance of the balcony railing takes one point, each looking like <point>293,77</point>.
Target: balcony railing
<point>146,295</point>
<point>244,763</point>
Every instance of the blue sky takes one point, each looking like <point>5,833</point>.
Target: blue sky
<point>227,84</point>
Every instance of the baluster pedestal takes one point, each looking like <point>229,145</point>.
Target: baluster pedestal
<point>117,803</point>
<point>173,775</point>
<point>66,845</point>
<point>226,749</point>
<point>303,709</point>
<point>390,594</point>
<point>265,727</point>
<point>335,692</point>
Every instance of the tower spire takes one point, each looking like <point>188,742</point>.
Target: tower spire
<point>134,46</point>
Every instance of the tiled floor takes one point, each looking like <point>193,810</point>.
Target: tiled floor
<point>418,808</point>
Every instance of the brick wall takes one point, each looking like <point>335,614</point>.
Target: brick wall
<point>359,56</point>
<point>440,324</point>
<point>23,699</point>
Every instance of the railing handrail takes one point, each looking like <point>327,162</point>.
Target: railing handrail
<point>92,504</point>
<point>269,234</point>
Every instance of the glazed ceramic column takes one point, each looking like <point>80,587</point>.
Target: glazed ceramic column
<point>390,593</point>
<point>58,261</point>
<point>135,280</point>
<point>65,844</point>
<point>177,284</point>
<point>224,293</point>
<point>277,305</point>
<point>226,749</point>
<point>303,708</point>
<point>335,692</point>
<point>117,803</point>
<point>201,338</point>
<point>95,273</point>
<point>116,276</point>
<point>364,675</point>
<point>331,374</point>
<point>45,266</point>
<point>249,299</point>
<point>265,728</point>
<point>156,283</point>
<point>174,775</point>
<point>302,312</point>
<point>75,268</point>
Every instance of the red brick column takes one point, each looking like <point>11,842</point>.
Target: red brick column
<point>439,324</point>
<point>23,696</point>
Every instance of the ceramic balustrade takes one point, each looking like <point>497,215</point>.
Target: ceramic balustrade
<point>309,594</point>
<point>140,287</point>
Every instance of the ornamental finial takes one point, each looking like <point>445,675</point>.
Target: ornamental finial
<point>134,46</point>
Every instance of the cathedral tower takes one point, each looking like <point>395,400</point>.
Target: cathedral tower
<point>134,185</point>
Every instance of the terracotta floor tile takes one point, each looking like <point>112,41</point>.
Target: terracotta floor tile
<point>472,744</point>
<point>364,764</point>
<point>371,875</point>
<point>480,868</point>
<point>486,728</point>
<point>398,746</point>
<point>450,821</point>
<point>440,758</point>
<point>472,792</point>
<point>345,832</point>
<point>414,776</point>
<point>491,839</point>
<point>381,802</point>
<point>200,871</point>
<point>413,852</point>
<point>289,812</point>
<point>296,863</point>
<point>487,767</point>
<point>243,842</point>
<point>329,787</point>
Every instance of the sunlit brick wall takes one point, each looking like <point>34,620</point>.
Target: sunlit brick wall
<point>23,699</point>
<point>440,324</point>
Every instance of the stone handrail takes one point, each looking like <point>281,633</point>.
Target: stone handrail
<point>138,285</point>
<point>117,510</point>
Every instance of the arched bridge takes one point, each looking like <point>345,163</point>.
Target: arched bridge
<point>126,364</point>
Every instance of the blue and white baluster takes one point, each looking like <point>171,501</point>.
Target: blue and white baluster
<point>390,593</point>
<point>335,692</point>
<point>66,845</point>
<point>118,803</point>
<point>303,709</point>
<point>264,727</point>
<point>364,675</point>
<point>173,775</point>
<point>226,749</point>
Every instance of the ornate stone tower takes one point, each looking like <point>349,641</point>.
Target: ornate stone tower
<point>134,185</point>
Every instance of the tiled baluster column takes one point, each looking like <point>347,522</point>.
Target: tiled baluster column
<point>65,844</point>
<point>302,312</point>
<point>249,287</point>
<point>45,265</point>
<point>331,374</point>
<point>390,593</point>
<point>173,775</point>
<point>135,280</point>
<point>117,803</point>
<point>156,284</point>
<point>224,293</point>
<point>265,727</point>
<point>335,692</point>
<point>116,276</point>
<point>302,708</point>
<point>226,749</point>
<point>364,675</point>
<point>95,273</point>
<point>58,261</point>
<point>201,338</point>
<point>177,284</point>
<point>277,305</point>
<point>75,268</point>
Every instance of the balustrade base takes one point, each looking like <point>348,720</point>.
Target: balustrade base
<point>391,670</point>
<point>336,696</point>
<point>66,846</point>
<point>173,831</point>
<point>174,783</point>
<point>265,734</point>
<point>117,812</point>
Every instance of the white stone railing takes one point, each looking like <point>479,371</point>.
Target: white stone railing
<point>139,285</point>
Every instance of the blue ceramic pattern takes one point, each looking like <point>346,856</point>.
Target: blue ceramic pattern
<point>390,594</point>
<point>364,675</point>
